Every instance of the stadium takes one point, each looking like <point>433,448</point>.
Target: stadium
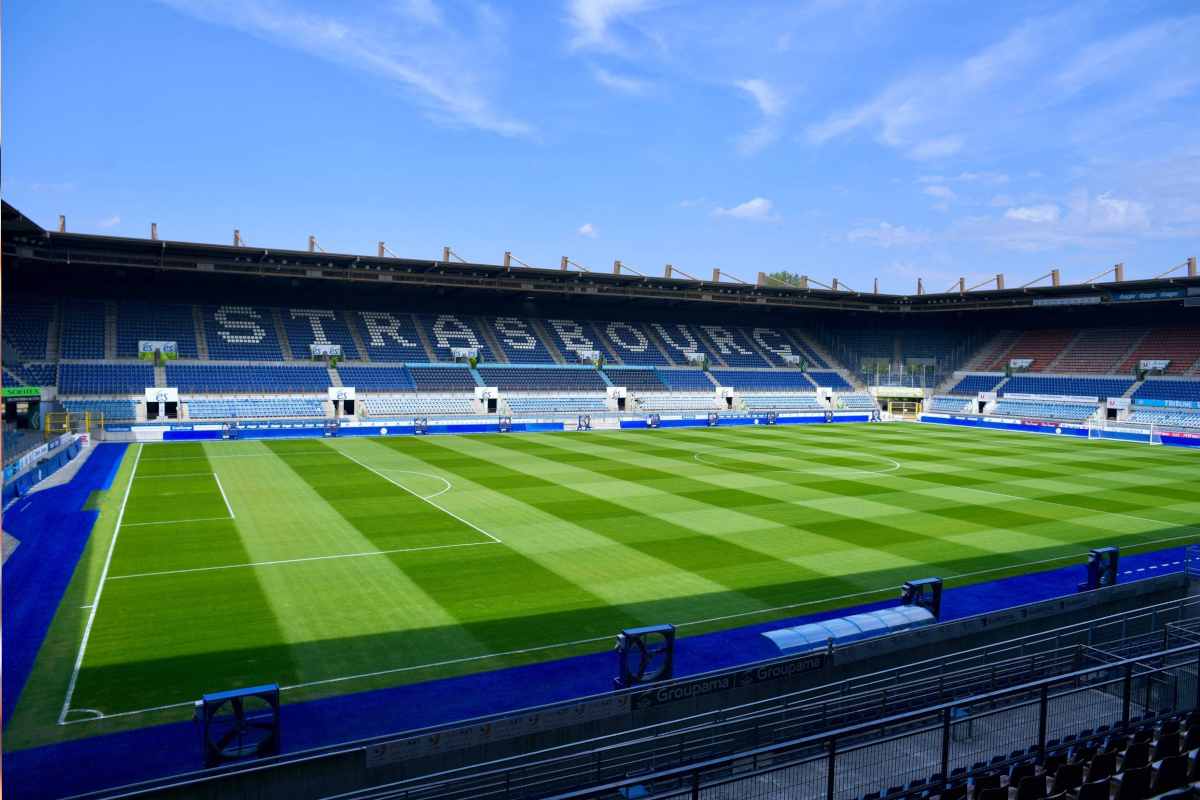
<point>600,400</point>
<point>310,524</point>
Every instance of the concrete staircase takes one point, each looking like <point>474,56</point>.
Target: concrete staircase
<point>201,339</point>
<point>54,334</point>
<point>285,346</point>
<point>489,338</point>
<point>110,330</point>
<point>334,378</point>
<point>424,339</point>
<point>540,331</point>
<point>160,375</point>
<point>1062,353</point>
<point>356,337</point>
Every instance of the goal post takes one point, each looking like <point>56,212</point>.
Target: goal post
<point>904,408</point>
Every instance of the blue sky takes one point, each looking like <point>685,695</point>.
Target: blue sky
<point>851,139</point>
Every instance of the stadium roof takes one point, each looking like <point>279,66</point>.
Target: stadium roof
<point>24,240</point>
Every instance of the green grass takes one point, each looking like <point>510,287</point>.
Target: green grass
<point>358,582</point>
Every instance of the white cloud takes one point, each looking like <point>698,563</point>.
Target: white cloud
<point>942,147</point>
<point>940,192</point>
<point>592,20</point>
<point>620,83</point>
<point>886,234</point>
<point>587,229</point>
<point>757,210</point>
<point>1109,214</point>
<point>1036,214</point>
<point>769,101</point>
<point>109,222</point>
<point>756,139</point>
<point>447,75</point>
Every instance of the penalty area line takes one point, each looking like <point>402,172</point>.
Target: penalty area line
<point>396,483</point>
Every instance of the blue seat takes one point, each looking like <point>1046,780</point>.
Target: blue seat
<point>830,378</point>
<point>155,322</point>
<point>687,380</point>
<point>636,379</point>
<point>442,378</point>
<point>565,379</point>
<point>258,378</point>
<point>448,331</point>
<point>519,341</point>
<point>308,326</point>
<point>764,380</point>
<point>377,379</point>
<point>104,378</point>
<point>389,337</point>
<point>82,334</point>
<point>241,333</point>
<point>973,384</point>
<point>1067,386</point>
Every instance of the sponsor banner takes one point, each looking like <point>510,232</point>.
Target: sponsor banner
<point>897,391</point>
<point>315,349</point>
<point>1051,398</point>
<point>1082,300</point>
<point>464,352</point>
<point>162,394</point>
<point>1168,403</point>
<point>1154,363</point>
<point>1119,402</point>
<point>685,690</point>
<point>22,391</point>
<point>147,348</point>
<point>987,397</point>
<point>341,393</point>
<point>484,733</point>
<point>1020,363</point>
<point>1159,294</point>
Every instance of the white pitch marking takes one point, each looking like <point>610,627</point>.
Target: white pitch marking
<point>87,630</point>
<point>297,560</point>
<point>177,521</point>
<point>217,478</point>
<point>414,494</point>
<point>175,475</point>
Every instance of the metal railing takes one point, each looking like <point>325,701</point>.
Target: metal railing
<point>959,739</point>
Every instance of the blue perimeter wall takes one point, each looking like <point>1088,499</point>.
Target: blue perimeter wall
<point>52,529</point>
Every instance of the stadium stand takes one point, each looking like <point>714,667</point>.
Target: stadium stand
<point>991,350</point>
<point>104,378</point>
<point>678,340</point>
<point>1165,417</point>
<point>308,326</point>
<point>242,378</point>
<point>1043,346</point>
<point>241,333</point>
<point>377,379</point>
<point>764,380</point>
<point>1065,386</point>
<point>518,340</point>
<point>26,326</point>
<point>1181,346</point>
<point>17,443</point>
<point>686,380</point>
<point>255,408</point>
<point>82,330</point>
<point>636,379</point>
<point>855,402</point>
<point>581,404</point>
<point>630,342</point>
<point>111,409</point>
<point>417,406</point>
<point>1168,390</point>
<point>677,402</point>
<point>732,346</point>
<point>950,404</point>
<point>973,384</point>
<point>30,374</point>
<point>155,322</point>
<point>830,379</point>
<point>571,379</point>
<point>389,337</point>
<point>778,345</point>
<point>1044,409</point>
<point>442,378</point>
<point>1098,350</point>
<point>447,331</point>
<point>782,402</point>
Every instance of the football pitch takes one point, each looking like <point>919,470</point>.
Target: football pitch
<point>339,565</point>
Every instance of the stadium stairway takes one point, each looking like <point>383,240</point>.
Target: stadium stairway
<point>172,748</point>
<point>489,338</point>
<point>285,345</point>
<point>540,331</point>
<point>356,337</point>
<point>201,339</point>
<point>110,330</point>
